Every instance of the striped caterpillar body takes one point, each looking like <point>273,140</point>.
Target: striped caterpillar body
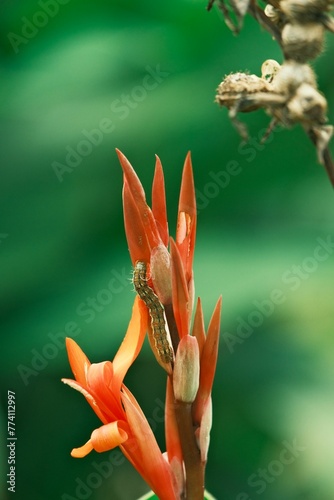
<point>156,311</point>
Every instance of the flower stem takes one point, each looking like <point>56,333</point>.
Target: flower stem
<point>194,467</point>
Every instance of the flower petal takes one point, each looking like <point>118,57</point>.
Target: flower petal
<point>83,450</point>
<point>198,327</point>
<point>108,436</point>
<point>187,218</point>
<point>138,243</point>
<point>138,194</point>
<point>143,451</point>
<point>99,381</point>
<point>179,292</point>
<point>78,361</point>
<point>159,202</point>
<point>89,397</point>
<point>208,363</point>
<point>131,344</point>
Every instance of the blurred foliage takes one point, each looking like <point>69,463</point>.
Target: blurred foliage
<point>62,242</point>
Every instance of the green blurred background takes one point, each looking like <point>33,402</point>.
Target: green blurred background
<point>62,240</point>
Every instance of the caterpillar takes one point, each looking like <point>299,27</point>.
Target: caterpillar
<point>156,311</point>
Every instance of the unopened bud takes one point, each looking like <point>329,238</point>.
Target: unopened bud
<point>186,370</point>
<point>161,273</point>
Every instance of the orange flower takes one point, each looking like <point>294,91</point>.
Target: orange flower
<point>124,423</point>
<point>170,276</point>
<point>164,281</point>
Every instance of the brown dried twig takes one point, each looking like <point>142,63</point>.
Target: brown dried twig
<point>288,92</point>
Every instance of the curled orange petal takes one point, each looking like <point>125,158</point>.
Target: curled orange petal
<point>108,437</point>
<point>83,450</point>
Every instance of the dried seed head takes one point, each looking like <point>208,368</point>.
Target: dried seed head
<point>304,11</point>
<point>238,83</point>
<point>287,93</point>
<point>291,75</point>
<point>302,42</point>
<point>237,86</point>
<point>307,106</point>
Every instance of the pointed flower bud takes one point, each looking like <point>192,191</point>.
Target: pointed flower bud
<point>186,370</point>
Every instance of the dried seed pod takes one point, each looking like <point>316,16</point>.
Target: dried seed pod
<point>241,92</point>
<point>288,93</point>
<point>307,106</point>
<point>304,11</point>
<point>302,42</point>
<point>237,85</point>
<point>291,75</point>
